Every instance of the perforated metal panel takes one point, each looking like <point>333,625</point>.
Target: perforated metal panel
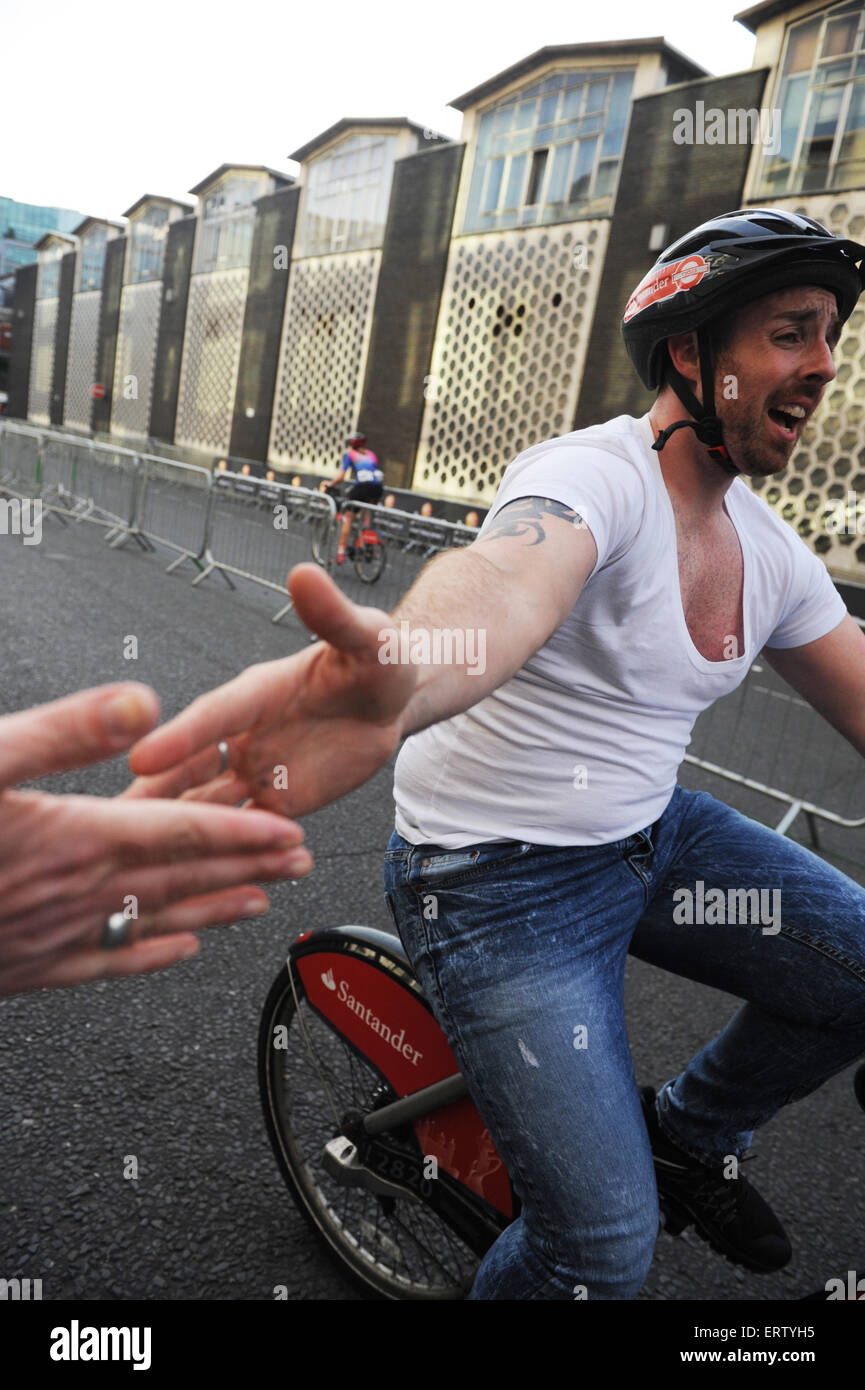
<point>325,337</point>
<point>81,362</point>
<point>211,355</point>
<point>42,361</point>
<point>137,332</point>
<point>511,338</point>
<point>812,491</point>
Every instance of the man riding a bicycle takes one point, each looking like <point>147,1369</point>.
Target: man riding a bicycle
<point>368,484</point>
<point>625,577</point>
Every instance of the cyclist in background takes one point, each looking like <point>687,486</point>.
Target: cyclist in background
<point>368,484</point>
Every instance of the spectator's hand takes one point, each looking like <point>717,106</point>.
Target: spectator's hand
<point>301,731</point>
<point>68,862</point>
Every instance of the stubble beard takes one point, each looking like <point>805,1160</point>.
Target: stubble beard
<point>745,436</point>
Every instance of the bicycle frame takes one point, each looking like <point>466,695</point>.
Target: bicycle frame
<point>360,531</point>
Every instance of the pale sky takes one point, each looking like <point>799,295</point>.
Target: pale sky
<point>104,101</point>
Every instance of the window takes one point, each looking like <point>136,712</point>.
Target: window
<point>48,275</point>
<point>147,245</point>
<point>91,258</point>
<point>227,222</point>
<point>346,196</point>
<point>821,97</point>
<point>551,151</point>
<point>539,162</point>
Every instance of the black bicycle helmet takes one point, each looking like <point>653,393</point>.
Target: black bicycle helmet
<point>718,267</point>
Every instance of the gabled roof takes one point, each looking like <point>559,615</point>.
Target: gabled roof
<point>247,168</point>
<point>96,222</point>
<point>55,236</point>
<point>768,9</point>
<point>348,123</point>
<point>158,198</point>
<point>564,52</point>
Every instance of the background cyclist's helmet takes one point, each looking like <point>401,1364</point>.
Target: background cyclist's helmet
<point>356,439</point>
<point>717,268</point>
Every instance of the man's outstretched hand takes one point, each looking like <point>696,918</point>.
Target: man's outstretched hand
<point>301,731</point>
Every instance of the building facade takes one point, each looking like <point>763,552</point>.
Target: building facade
<point>50,250</point>
<point>94,235</point>
<point>461,300</point>
<point>224,227</point>
<point>815,65</point>
<point>345,192</point>
<point>149,220</point>
<point>544,143</point>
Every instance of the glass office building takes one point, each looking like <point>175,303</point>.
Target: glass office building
<point>22,225</point>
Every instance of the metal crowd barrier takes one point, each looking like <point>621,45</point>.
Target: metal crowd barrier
<point>765,737</point>
<point>761,736</point>
<point>65,475</point>
<point>173,508</point>
<point>73,477</point>
<point>19,461</point>
<point>114,494</point>
<point>259,531</point>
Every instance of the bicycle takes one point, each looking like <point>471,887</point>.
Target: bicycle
<point>390,1162</point>
<point>367,551</point>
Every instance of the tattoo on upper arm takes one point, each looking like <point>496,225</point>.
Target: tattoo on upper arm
<point>524,518</point>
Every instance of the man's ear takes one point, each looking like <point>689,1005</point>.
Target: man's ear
<point>685,355</point>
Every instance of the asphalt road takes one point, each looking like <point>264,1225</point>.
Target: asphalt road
<point>163,1068</point>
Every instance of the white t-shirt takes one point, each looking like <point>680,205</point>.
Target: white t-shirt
<point>583,744</point>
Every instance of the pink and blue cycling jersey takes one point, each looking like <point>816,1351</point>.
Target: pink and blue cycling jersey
<point>364,464</point>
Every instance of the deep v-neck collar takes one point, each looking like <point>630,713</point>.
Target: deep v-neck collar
<point>730,503</point>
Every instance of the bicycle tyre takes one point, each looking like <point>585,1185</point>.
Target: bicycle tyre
<point>370,1255</point>
<point>369,561</point>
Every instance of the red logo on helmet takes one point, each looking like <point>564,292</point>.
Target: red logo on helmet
<point>663,281</point>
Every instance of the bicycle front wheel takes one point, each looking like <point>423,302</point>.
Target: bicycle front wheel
<point>311,1079</point>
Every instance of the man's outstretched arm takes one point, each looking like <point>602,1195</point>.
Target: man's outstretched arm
<point>307,729</point>
<point>526,574</point>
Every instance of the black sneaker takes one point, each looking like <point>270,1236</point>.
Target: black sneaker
<point>727,1212</point>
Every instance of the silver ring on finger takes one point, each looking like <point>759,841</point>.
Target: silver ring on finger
<point>116,931</point>
<point>223,750</point>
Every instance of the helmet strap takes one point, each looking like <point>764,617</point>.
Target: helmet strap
<point>706,425</point>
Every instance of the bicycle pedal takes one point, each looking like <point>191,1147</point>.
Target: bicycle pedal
<point>340,1161</point>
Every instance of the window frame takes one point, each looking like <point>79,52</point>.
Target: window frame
<point>797,171</point>
<point>346,195</point>
<point>478,217</point>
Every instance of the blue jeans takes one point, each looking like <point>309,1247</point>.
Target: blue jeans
<point>520,949</point>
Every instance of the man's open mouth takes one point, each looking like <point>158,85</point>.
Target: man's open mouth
<point>788,419</point>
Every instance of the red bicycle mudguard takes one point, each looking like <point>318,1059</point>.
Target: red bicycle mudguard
<point>394,1027</point>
